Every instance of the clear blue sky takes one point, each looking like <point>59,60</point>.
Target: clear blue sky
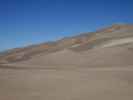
<point>25,22</point>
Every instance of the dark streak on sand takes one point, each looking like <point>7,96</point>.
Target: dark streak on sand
<point>22,68</point>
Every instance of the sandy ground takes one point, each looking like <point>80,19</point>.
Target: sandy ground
<point>108,57</point>
<point>66,84</point>
<point>99,74</point>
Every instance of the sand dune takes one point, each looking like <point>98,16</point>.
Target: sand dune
<point>98,57</point>
<point>91,66</point>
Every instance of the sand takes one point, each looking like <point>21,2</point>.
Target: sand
<point>97,57</point>
<point>102,72</point>
<point>76,84</point>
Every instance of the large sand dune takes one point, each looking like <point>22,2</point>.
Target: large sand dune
<point>98,57</point>
<point>94,66</point>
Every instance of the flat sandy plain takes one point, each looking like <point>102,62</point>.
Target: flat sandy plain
<point>66,84</point>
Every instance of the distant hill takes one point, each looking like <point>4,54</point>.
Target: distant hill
<point>108,46</point>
